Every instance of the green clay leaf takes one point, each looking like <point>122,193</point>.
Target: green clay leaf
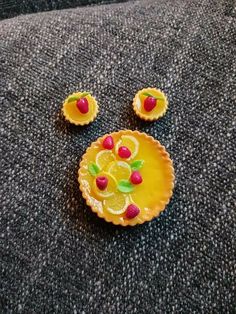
<point>150,95</point>
<point>93,169</point>
<point>125,186</point>
<point>84,94</point>
<point>137,164</point>
<point>74,98</point>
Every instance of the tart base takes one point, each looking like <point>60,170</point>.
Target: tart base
<point>159,195</point>
<point>153,115</point>
<point>72,114</point>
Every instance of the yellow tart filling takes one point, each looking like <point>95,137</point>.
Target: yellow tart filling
<point>150,104</point>
<point>80,108</point>
<point>126,177</point>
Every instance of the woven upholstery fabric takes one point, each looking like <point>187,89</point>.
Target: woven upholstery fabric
<point>56,256</point>
<point>11,8</point>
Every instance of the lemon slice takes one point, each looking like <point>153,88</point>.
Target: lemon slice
<point>103,158</point>
<point>110,189</point>
<point>120,170</point>
<point>117,204</point>
<point>130,142</point>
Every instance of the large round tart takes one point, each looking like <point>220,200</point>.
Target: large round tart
<point>126,177</point>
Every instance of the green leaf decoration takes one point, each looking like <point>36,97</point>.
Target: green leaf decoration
<point>93,169</point>
<point>125,186</point>
<point>150,95</point>
<point>137,164</point>
<point>74,98</point>
<point>84,94</point>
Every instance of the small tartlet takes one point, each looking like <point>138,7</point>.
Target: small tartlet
<point>151,197</point>
<point>73,115</point>
<point>157,112</point>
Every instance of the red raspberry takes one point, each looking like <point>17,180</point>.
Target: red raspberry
<point>102,183</point>
<point>124,152</point>
<point>108,142</point>
<point>136,178</point>
<point>132,211</point>
<point>83,105</point>
<point>150,103</point>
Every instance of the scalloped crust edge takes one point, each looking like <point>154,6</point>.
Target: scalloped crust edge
<point>146,117</point>
<point>164,202</point>
<point>68,118</point>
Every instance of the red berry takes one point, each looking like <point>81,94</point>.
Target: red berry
<point>108,142</point>
<point>132,211</point>
<point>102,183</point>
<point>150,103</point>
<point>83,105</point>
<point>124,152</point>
<point>136,178</point>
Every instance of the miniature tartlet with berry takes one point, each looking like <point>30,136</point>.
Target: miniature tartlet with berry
<point>150,104</point>
<point>80,108</point>
<point>126,177</point>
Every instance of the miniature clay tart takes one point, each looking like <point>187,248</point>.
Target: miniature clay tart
<point>126,177</point>
<point>80,108</point>
<point>150,104</point>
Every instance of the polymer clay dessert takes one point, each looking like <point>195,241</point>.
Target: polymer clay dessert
<point>80,108</point>
<point>126,177</point>
<point>150,104</point>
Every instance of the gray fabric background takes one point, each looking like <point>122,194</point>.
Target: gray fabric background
<point>11,8</point>
<point>56,255</point>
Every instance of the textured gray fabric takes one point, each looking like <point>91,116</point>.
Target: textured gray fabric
<point>15,7</point>
<point>58,257</point>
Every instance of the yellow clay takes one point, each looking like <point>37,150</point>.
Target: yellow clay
<point>119,169</point>
<point>72,113</point>
<point>109,191</point>
<point>157,112</point>
<point>151,196</point>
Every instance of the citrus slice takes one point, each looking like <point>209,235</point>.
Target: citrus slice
<point>120,170</point>
<point>130,142</point>
<point>117,204</point>
<point>103,158</point>
<point>110,189</point>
